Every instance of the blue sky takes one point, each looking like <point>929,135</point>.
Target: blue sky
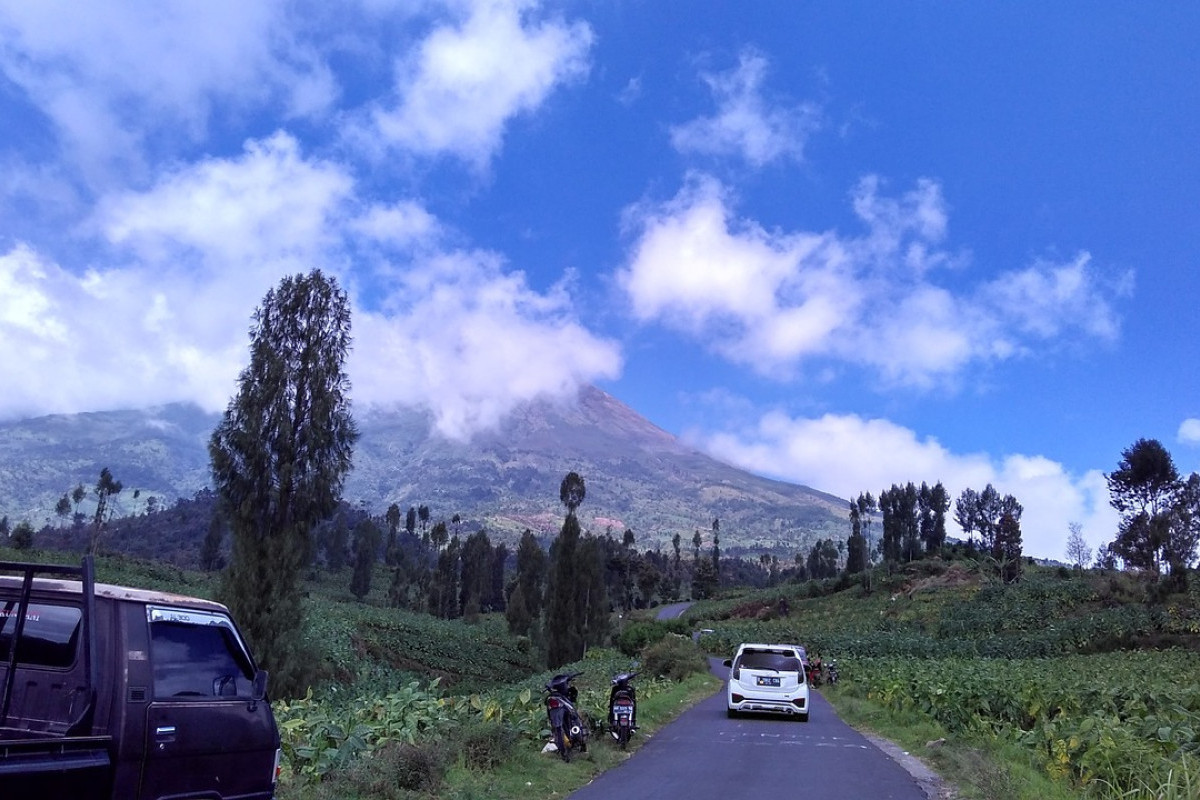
<point>841,244</point>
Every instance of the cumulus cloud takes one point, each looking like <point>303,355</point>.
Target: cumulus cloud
<point>1189,431</point>
<point>270,203</point>
<point>113,338</point>
<point>469,77</point>
<point>772,299</point>
<point>745,124</point>
<point>846,454</point>
<point>468,340</point>
<point>110,74</point>
<point>457,332</point>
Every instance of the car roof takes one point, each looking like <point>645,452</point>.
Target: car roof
<point>54,586</point>
<point>754,646</point>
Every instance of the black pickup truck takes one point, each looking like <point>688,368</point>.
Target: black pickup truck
<point>112,692</point>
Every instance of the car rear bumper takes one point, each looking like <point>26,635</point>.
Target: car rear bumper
<point>769,705</point>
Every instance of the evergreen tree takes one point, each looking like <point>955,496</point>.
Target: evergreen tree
<point>106,487</point>
<point>439,535</point>
<point>822,560</point>
<point>572,491</point>
<point>856,544</point>
<point>279,459</point>
<point>676,566</point>
<point>334,538</point>
<point>564,611</point>
<point>475,574</point>
<point>211,558</point>
<point>517,614</point>
<point>1007,548</point>
<point>593,601</point>
<point>494,601</point>
<point>531,574</point>
<point>63,508</point>
<point>704,580</point>
<point>716,549</point>
<point>21,537</point>
<point>392,517</point>
<point>366,552</point>
<point>649,578</point>
<point>1144,489</point>
<point>443,584</point>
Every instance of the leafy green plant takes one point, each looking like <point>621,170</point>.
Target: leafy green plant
<point>673,657</point>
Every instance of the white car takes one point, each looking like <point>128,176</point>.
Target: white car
<point>768,678</point>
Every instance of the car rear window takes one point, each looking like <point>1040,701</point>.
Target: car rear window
<point>49,638</point>
<point>769,659</point>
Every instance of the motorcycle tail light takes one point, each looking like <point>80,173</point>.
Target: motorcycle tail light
<point>553,702</point>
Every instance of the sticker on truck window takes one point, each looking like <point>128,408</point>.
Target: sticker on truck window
<point>49,638</point>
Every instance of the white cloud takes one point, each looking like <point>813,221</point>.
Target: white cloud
<point>110,339</point>
<point>772,299</point>
<point>745,124</point>
<point>468,341</point>
<point>1189,431</point>
<point>457,90</point>
<point>110,74</point>
<point>456,332</point>
<point>267,205</point>
<point>847,455</point>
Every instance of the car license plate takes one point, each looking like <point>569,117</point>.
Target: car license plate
<point>768,681</point>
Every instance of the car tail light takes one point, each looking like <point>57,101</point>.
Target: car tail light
<point>737,698</point>
<point>278,766</point>
<point>798,702</point>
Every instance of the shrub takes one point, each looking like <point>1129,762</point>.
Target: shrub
<point>486,745</point>
<point>674,657</point>
<point>638,635</point>
<point>391,773</point>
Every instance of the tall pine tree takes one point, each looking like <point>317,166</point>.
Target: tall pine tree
<point>279,459</point>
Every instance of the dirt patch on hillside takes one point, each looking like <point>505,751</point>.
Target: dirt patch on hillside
<point>954,576</point>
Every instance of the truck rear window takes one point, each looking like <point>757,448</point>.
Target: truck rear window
<point>49,638</point>
<point>198,661</point>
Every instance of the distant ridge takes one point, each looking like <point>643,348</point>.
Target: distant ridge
<point>638,476</point>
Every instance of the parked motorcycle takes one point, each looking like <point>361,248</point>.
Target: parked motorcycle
<point>814,672</point>
<point>831,669</point>
<point>566,724</point>
<point>622,708</point>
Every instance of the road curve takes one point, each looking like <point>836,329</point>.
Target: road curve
<point>671,611</point>
<point>703,755</point>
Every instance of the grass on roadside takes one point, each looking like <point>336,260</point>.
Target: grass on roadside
<point>978,770</point>
<point>525,773</point>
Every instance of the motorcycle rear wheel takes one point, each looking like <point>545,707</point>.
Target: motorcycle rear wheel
<point>560,742</point>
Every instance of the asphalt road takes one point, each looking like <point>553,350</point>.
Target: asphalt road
<point>703,755</point>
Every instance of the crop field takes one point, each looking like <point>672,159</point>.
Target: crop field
<point>1108,723</point>
<point>1058,665</point>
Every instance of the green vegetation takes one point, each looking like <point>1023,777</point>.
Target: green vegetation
<point>447,744</point>
<point>1066,683</point>
<point>279,458</point>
